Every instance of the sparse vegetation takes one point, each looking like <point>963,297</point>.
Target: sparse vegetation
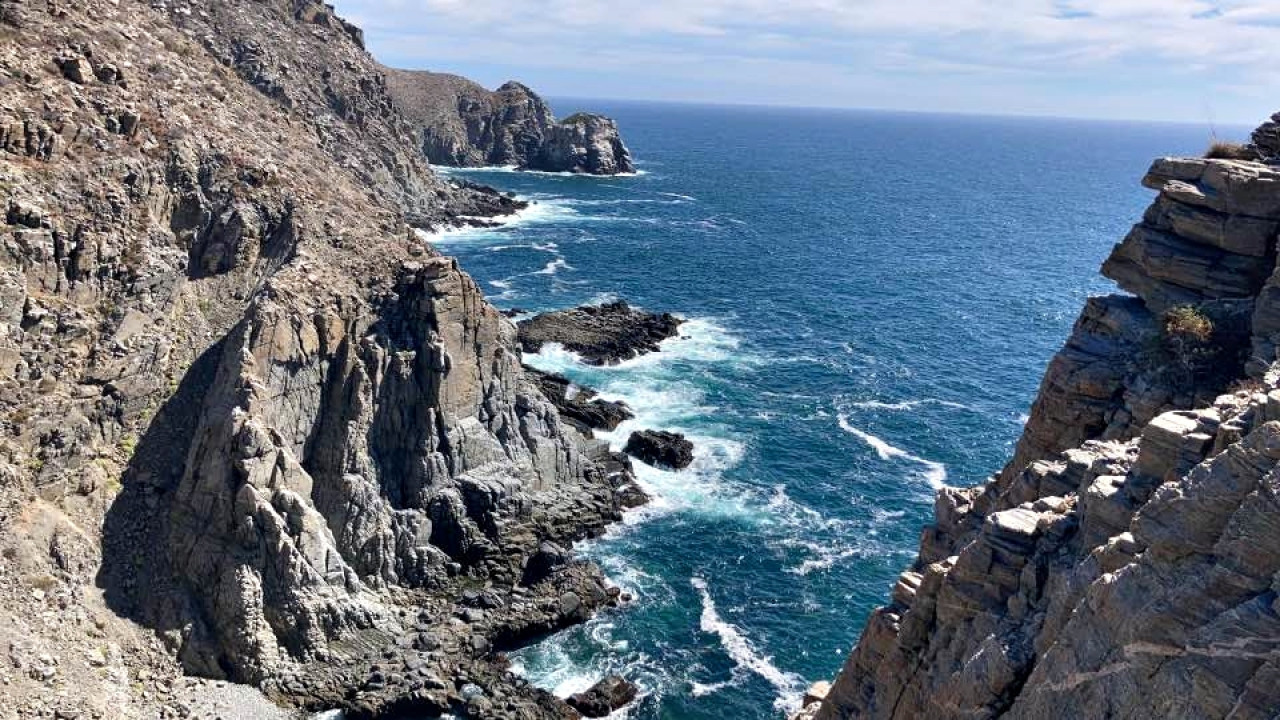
<point>1223,150</point>
<point>1196,348</point>
<point>1187,324</point>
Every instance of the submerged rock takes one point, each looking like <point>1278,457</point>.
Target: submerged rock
<point>660,449</point>
<point>601,334</point>
<point>603,698</point>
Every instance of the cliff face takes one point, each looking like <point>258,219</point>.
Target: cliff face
<point>248,422</point>
<point>463,124</point>
<point>1124,563</point>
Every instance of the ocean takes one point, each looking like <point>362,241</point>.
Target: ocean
<point>871,299</point>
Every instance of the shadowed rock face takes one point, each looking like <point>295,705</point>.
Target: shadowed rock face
<point>463,124</point>
<point>1123,564</point>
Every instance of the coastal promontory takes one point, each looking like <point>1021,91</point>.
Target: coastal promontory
<point>460,123</point>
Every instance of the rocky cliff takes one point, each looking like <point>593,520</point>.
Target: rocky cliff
<point>1124,564</point>
<point>463,124</point>
<point>251,428</point>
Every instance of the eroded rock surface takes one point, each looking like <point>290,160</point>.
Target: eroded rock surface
<point>463,124</point>
<point>1123,564</point>
<point>251,428</point>
<point>579,405</point>
<point>601,334</point>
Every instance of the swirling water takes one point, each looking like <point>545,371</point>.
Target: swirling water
<point>872,298</point>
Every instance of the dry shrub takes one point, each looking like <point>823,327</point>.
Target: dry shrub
<point>1222,150</point>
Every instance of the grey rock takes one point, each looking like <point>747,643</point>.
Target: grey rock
<point>463,124</point>
<point>600,700</point>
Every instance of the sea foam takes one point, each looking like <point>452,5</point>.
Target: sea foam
<point>934,472</point>
<point>737,647</point>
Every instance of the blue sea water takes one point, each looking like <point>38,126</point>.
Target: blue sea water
<point>871,301</point>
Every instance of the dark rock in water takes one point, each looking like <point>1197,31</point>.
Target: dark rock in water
<point>604,697</point>
<point>583,143</point>
<point>463,124</point>
<point>579,405</point>
<point>601,334</point>
<point>660,448</point>
<point>514,312</point>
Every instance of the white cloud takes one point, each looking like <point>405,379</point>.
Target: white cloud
<point>1117,41</point>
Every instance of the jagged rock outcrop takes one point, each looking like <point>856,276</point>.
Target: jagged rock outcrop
<point>600,700</point>
<point>602,334</point>
<point>1123,564</point>
<point>579,405</point>
<point>250,426</point>
<point>660,448</point>
<point>463,124</point>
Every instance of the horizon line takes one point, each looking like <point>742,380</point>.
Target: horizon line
<point>1210,125</point>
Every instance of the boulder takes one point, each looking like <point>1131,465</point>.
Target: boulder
<point>660,449</point>
<point>606,696</point>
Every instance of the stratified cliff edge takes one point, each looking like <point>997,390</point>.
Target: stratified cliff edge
<point>250,426</point>
<point>463,124</point>
<point>1125,563</point>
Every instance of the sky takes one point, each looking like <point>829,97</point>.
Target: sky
<point>1202,61</point>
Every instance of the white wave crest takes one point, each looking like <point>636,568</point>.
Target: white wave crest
<point>553,267</point>
<point>934,472</point>
<point>736,645</point>
<point>477,229</point>
<point>827,558</point>
<point>906,404</point>
<point>447,171</point>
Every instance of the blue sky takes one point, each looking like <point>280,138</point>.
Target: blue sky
<point>1201,61</point>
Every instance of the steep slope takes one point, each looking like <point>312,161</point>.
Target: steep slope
<point>463,124</point>
<point>248,420</point>
<point>1124,563</point>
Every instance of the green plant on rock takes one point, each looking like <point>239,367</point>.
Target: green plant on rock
<point>1192,349</point>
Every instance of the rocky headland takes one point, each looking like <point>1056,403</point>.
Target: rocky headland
<point>1125,563</point>
<point>252,429</point>
<point>462,124</point>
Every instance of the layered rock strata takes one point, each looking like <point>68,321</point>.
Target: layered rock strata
<point>251,428</point>
<point>1124,563</point>
<point>462,124</point>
